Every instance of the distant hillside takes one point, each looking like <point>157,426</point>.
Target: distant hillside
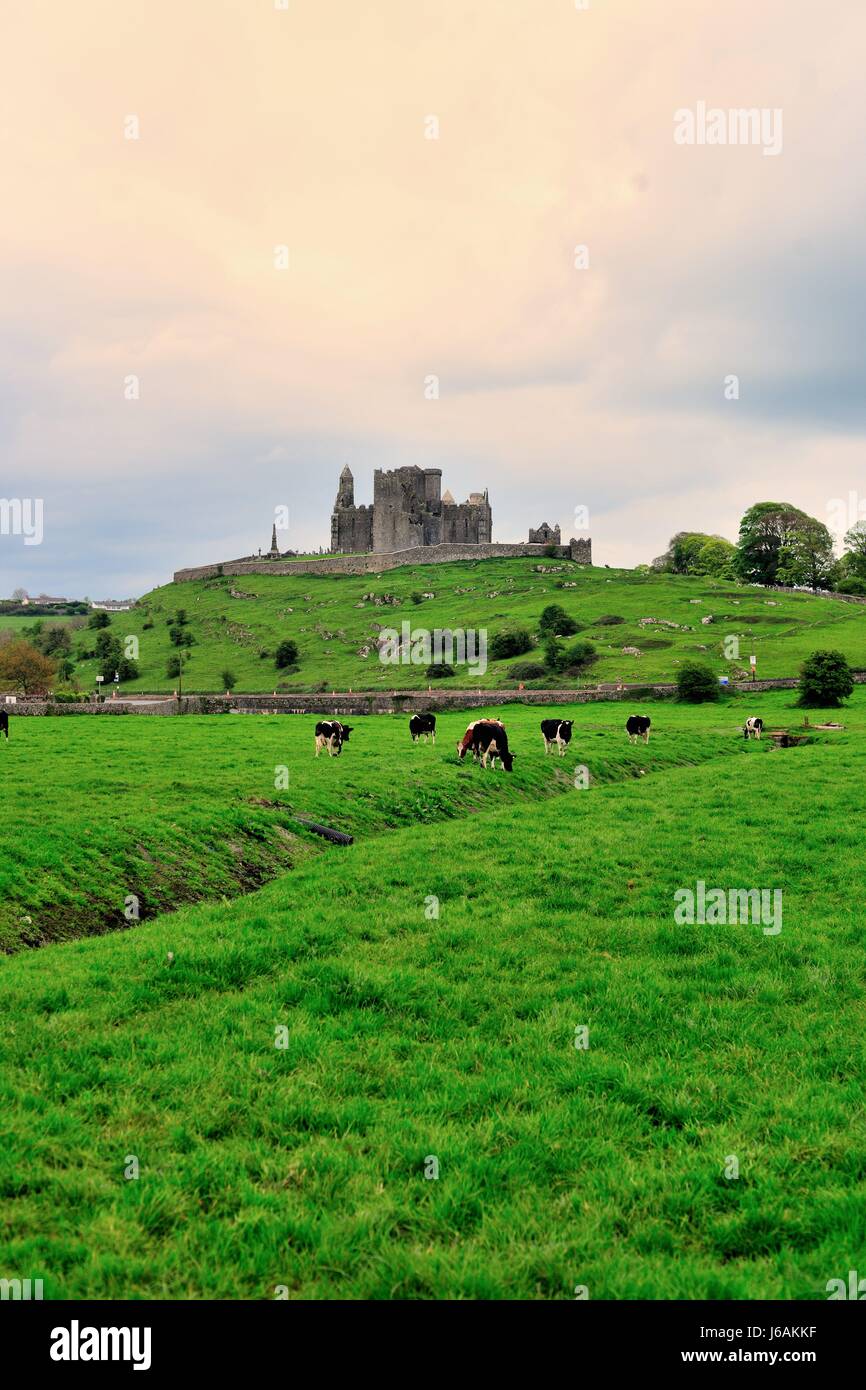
<point>237,623</point>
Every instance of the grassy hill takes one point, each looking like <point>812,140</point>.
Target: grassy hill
<point>237,623</point>
<point>286,1081</point>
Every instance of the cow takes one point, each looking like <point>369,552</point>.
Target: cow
<point>638,726</point>
<point>753,727</point>
<point>4,723</point>
<point>465,742</point>
<point>556,731</point>
<point>422,724</point>
<point>331,734</point>
<point>489,740</point>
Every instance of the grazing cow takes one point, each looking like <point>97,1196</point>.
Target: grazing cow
<point>422,724</point>
<point>465,742</point>
<point>638,726</point>
<point>489,740</point>
<point>556,731</point>
<point>753,727</point>
<point>4,722</point>
<point>331,734</point>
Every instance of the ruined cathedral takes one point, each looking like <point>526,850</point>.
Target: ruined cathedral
<point>408,510</point>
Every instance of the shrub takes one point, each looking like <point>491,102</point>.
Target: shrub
<point>417,597</point>
<point>609,620</point>
<point>576,658</point>
<point>696,683</point>
<point>440,670</point>
<point>551,550</point>
<point>851,586</point>
<point>286,654</point>
<point>127,669</point>
<point>172,670</point>
<point>229,680</point>
<point>825,680</point>
<point>555,620</point>
<point>527,670</point>
<point>99,619</point>
<point>511,641</point>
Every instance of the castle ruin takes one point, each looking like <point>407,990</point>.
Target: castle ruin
<point>408,510</point>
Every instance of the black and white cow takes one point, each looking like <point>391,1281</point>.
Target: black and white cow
<point>422,724</point>
<point>638,726</point>
<point>558,732</point>
<point>489,740</point>
<point>4,723</point>
<point>753,727</point>
<point>331,734</point>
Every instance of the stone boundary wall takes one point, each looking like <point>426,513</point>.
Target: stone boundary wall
<point>816,593</point>
<point>374,564</point>
<point>379,702</point>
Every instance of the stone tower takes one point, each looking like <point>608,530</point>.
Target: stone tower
<point>408,510</point>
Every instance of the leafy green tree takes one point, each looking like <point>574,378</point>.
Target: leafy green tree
<point>555,620</point>
<point>127,669</point>
<point>777,536</point>
<point>807,557</point>
<point>172,669</point>
<point>55,640</point>
<point>577,657</point>
<point>99,619</point>
<point>825,680</point>
<point>855,555</point>
<point>229,679</point>
<point>511,641</point>
<point>695,552</point>
<point>286,654</point>
<point>696,683</point>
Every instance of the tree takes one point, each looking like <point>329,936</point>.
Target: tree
<point>109,654</point>
<point>825,680</point>
<point>19,595</point>
<point>511,641</point>
<point>99,619</point>
<point>229,680</point>
<point>54,640</point>
<point>555,620</point>
<point>776,535</point>
<point>172,669</point>
<point>286,654</point>
<point>807,557</point>
<point>127,669</point>
<point>695,552</point>
<point>696,683</point>
<point>855,556</point>
<point>23,668</point>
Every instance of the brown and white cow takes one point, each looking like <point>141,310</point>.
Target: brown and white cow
<point>465,743</point>
<point>489,742</point>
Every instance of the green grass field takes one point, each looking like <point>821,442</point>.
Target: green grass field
<point>333,620</point>
<point>430,980</point>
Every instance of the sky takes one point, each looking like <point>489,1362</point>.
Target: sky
<point>244,244</point>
